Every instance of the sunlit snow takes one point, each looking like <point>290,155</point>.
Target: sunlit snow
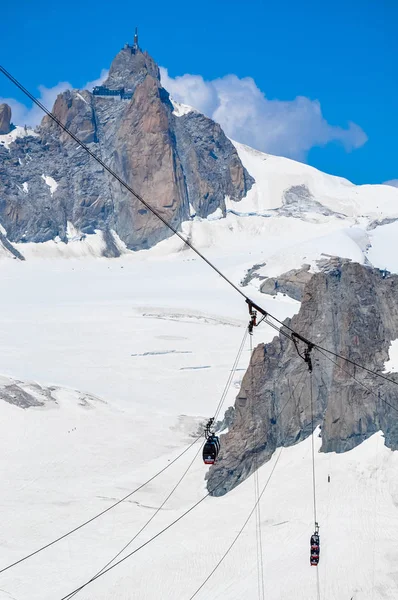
<point>391,364</point>
<point>19,132</point>
<point>50,181</point>
<point>135,352</point>
<point>181,109</point>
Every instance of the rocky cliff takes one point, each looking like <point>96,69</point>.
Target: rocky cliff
<point>352,310</point>
<point>5,119</point>
<point>177,163</point>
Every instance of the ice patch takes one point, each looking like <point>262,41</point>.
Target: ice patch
<point>19,132</point>
<point>25,187</point>
<point>181,109</point>
<point>78,247</point>
<point>216,215</point>
<point>52,184</point>
<point>81,97</point>
<point>73,234</point>
<point>391,365</point>
<point>382,253</point>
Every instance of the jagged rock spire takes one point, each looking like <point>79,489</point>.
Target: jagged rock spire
<point>5,118</point>
<point>130,67</point>
<point>175,162</point>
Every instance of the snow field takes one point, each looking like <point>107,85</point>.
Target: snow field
<point>90,325</point>
<point>153,336</point>
<point>275,174</point>
<point>7,138</point>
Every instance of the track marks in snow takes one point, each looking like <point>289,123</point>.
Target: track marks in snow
<point>195,368</point>
<point>192,318</point>
<point>162,352</point>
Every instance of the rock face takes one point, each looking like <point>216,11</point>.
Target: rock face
<point>291,283</point>
<point>76,112</point>
<point>172,162</point>
<point>146,157</point>
<point>5,119</point>
<point>351,310</point>
<point>297,200</point>
<point>129,68</point>
<point>24,394</point>
<point>211,167</point>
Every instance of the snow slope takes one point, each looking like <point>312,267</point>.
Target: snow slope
<point>18,132</point>
<point>322,216</point>
<point>152,337</point>
<point>275,174</point>
<point>135,353</point>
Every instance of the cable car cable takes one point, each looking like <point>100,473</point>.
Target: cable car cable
<point>174,230</point>
<point>259,545</point>
<point>88,521</point>
<point>291,397</point>
<point>219,406</point>
<point>168,527</point>
<point>116,176</point>
<point>335,354</point>
<point>144,526</point>
<point>68,533</point>
<point>316,526</point>
<point>358,381</point>
<point>239,532</point>
<point>313,450</point>
<point>151,539</point>
<point>232,373</point>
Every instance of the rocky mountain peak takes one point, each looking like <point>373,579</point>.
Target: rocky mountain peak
<point>130,67</point>
<point>179,163</point>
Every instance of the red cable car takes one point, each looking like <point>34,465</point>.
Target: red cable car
<point>315,547</point>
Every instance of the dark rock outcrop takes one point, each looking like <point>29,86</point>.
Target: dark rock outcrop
<point>211,165</point>
<point>5,119</point>
<point>170,161</point>
<point>351,310</point>
<point>291,283</point>
<point>298,200</point>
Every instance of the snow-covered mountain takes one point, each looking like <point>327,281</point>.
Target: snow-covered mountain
<point>111,366</point>
<point>293,209</point>
<point>154,335</point>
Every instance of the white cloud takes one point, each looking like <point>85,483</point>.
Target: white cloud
<point>287,128</point>
<point>90,84</point>
<point>32,116</point>
<point>393,182</point>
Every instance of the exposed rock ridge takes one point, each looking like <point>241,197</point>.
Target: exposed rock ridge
<point>5,119</point>
<point>291,283</point>
<point>172,162</point>
<point>353,311</point>
<point>32,395</point>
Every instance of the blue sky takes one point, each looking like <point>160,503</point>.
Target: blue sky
<point>341,59</point>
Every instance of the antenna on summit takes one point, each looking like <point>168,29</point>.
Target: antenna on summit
<point>135,45</point>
